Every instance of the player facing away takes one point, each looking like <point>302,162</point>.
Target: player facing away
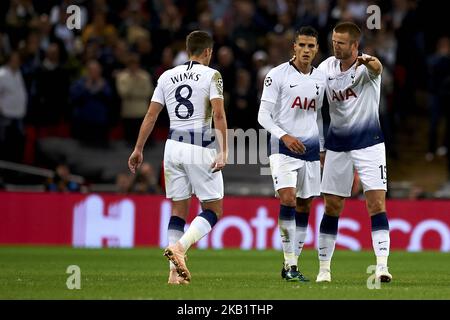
<point>354,141</point>
<point>290,111</point>
<point>193,96</point>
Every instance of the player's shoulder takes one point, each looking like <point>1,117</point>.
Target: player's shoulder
<point>319,74</point>
<point>281,67</point>
<point>328,63</point>
<point>279,70</point>
<point>212,71</point>
<point>207,71</point>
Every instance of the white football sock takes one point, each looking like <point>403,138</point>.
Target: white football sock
<point>198,228</point>
<point>300,236</point>
<point>287,233</point>
<point>327,243</point>
<point>381,244</point>
<point>325,265</point>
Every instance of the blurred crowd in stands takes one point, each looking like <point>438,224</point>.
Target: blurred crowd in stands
<point>94,84</point>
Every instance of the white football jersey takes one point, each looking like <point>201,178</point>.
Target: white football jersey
<point>298,98</point>
<point>354,97</point>
<point>186,91</point>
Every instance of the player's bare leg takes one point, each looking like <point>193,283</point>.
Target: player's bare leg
<point>198,228</point>
<point>376,206</point>
<point>215,206</point>
<point>180,212</point>
<point>328,233</point>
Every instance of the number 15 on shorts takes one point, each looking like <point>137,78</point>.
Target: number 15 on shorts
<point>383,172</point>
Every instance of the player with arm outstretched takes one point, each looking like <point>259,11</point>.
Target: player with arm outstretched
<point>354,141</point>
<point>291,112</point>
<point>193,158</point>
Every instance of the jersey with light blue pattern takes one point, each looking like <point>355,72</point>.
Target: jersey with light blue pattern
<point>353,97</point>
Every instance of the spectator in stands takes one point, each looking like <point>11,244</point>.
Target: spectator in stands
<point>50,91</point>
<point>248,35</point>
<point>166,62</point>
<point>61,181</point>
<point>45,31</point>
<point>135,88</point>
<point>113,59</point>
<point>245,30</point>
<point>133,24</point>
<point>221,37</point>
<point>261,67</point>
<point>145,180</point>
<point>144,48</point>
<point>227,68</point>
<point>18,19</point>
<point>243,102</point>
<point>64,34</point>
<point>92,98</point>
<point>13,107</point>
<point>32,55</point>
<point>99,29</point>
<point>58,13</point>
<point>438,71</point>
<point>5,47</point>
<point>123,183</point>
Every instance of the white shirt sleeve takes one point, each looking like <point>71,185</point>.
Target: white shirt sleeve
<point>271,88</point>
<point>367,75</point>
<point>216,86</point>
<point>320,126</point>
<point>158,94</point>
<point>266,121</point>
<point>320,119</point>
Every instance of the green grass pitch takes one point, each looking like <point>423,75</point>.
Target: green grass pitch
<point>40,273</point>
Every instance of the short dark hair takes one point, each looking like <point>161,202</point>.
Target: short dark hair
<point>349,27</point>
<point>307,31</point>
<point>197,41</point>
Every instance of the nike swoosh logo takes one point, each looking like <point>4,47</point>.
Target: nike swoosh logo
<point>329,78</point>
<point>293,85</point>
<point>322,248</point>
<point>380,242</point>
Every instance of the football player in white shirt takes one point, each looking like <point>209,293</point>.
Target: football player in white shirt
<point>354,141</point>
<point>291,111</point>
<point>193,96</point>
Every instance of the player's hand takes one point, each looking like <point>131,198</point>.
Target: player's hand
<point>293,144</point>
<point>322,158</point>
<point>135,160</point>
<point>364,59</point>
<point>219,163</point>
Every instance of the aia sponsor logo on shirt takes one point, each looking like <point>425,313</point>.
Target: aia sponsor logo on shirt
<point>304,103</point>
<point>343,95</point>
